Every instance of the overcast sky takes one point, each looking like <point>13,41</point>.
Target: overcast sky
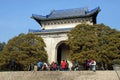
<point>15,14</point>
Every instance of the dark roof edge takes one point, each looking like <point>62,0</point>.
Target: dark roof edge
<point>61,30</point>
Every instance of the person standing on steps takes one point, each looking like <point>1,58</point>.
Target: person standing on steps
<point>63,65</point>
<point>39,65</point>
<point>93,65</point>
<point>88,64</point>
<point>31,66</point>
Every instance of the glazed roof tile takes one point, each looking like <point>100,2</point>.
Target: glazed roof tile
<point>67,13</point>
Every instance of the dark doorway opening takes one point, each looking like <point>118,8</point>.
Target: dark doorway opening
<point>59,55</point>
<point>62,52</point>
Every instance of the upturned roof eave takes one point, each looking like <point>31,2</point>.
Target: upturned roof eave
<point>44,18</point>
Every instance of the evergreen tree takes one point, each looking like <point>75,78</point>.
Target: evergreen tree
<point>24,49</point>
<point>97,42</point>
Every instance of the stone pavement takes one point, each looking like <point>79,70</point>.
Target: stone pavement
<point>59,75</point>
<point>118,73</point>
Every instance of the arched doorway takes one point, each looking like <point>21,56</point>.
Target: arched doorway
<point>62,52</point>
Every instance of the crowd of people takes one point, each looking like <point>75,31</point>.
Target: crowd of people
<point>63,66</point>
<point>90,64</point>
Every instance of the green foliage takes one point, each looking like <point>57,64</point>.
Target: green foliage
<point>25,48</point>
<point>2,45</point>
<point>97,42</point>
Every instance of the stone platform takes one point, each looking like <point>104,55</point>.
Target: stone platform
<point>60,75</point>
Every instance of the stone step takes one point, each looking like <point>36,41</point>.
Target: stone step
<point>59,75</point>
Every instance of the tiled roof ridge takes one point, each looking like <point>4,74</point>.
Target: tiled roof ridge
<point>83,8</point>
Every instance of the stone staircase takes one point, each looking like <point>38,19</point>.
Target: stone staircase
<point>60,75</point>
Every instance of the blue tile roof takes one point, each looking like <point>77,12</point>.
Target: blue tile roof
<point>67,13</point>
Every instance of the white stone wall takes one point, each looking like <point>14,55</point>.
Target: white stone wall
<point>68,23</point>
<point>51,41</point>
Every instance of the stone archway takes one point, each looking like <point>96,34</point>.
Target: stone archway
<point>62,52</point>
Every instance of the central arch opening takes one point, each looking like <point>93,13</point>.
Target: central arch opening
<point>62,52</point>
